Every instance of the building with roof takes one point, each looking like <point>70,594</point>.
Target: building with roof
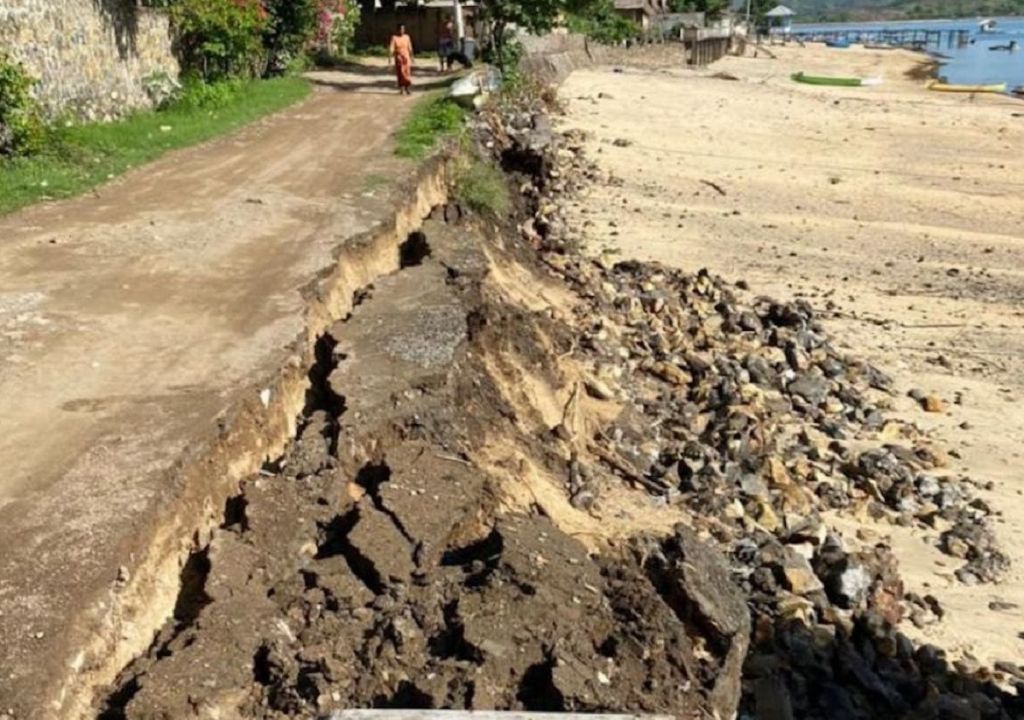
<point>642,11</point>
<point>780,19</point>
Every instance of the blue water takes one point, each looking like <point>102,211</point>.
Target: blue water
<point>971,64</point>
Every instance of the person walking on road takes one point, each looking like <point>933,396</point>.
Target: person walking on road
<point>401,53</point>
<point>446,44</point>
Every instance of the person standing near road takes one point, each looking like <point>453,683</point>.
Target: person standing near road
<point>401,53</point>
<point>446,43</point>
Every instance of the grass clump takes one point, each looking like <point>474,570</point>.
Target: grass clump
<point>78,158</point>
<point>481,187</point>
<point>433,118</point>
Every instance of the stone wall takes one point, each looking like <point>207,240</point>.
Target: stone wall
<point>91,57</point>
<point>554,56</point>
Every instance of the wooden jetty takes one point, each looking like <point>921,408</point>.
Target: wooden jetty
<point>914,39</point>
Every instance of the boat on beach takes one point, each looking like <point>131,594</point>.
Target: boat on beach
<point>949,87</point>
<point>806,79</point>
<point>838,43</point>
<point>472,90</point>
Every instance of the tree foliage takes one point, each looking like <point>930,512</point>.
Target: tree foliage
<point>226,38</point>
<point>533,16</point>
<point>601,22</point>
<point>291,24</point>
<point>711,8</point>
<point>21,130</point>
<point>344,26</point>
<point>220,38</point>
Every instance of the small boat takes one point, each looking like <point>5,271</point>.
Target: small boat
<point>473,90</point>
<point>838,43</point>
<point>947,87</point>
<point>988,26</point>
<point>1008,47</point>
<point>834,81</point>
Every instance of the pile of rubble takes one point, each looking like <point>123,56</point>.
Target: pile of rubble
<point>745,413</point>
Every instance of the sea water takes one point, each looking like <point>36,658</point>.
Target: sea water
<point>973,63</point>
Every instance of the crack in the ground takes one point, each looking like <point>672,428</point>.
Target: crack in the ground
<point>336,542</point>
<point>371,477</point>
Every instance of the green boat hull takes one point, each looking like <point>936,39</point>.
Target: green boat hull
<point>823,80</point>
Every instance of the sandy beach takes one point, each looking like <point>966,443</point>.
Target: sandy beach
<point>896,209</point>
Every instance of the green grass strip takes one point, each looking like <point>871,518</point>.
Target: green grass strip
<point>434,117</point>
<point>81,157</point>
<point>482,187</point>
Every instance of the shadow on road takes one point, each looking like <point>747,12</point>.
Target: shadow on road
<point>380,79</point>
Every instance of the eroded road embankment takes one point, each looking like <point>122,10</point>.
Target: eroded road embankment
<point>525,479</point>
<point>379,562</point>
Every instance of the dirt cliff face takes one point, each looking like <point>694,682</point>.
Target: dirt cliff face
<point>382,563</point>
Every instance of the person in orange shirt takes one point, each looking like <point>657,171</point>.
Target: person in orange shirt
<point>401,53</point>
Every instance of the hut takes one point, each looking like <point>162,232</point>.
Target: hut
<point>779,20</point>
<point>641,12</point>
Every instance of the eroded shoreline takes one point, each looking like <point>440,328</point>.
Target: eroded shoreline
<point>480,496</point>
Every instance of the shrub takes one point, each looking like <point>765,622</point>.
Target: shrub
<point>162,89</point>
<point>220,38</point>
<point>482,187</point>
<point>602,23</point>
<point>291,24</point>
<point>712,9</point>
<point>21,129</point>
<point>433,118</point>
<point>373,51</point>
<point>197,94</point>
<point>343,31</point>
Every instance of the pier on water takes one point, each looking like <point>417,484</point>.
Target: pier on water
<point>917,39</point>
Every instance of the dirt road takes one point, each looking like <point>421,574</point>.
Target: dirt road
<point>896,208</point>
<point>136,324</point>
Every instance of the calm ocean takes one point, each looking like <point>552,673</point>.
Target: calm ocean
<point>974,63</point>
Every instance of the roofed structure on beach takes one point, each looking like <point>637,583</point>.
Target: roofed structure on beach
<point>641,11</point>
<point>780,19</point>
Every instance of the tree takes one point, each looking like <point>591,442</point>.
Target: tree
<point>345,24</point>
<point>601,22</point>
<point>218,38</point>
<point>711,8</point>
<point>290,25</point>
<point>21,129</point>
<point>535,16</point>
<point>758,8</point>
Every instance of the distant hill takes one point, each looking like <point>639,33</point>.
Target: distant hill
<point>859,10</point>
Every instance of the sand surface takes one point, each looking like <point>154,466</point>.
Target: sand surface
<point>900,209</point>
